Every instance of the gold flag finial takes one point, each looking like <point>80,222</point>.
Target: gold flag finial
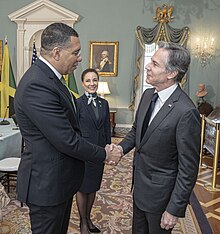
<point>6,39</point>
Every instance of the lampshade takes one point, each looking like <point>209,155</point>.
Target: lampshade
<point>103,88</point>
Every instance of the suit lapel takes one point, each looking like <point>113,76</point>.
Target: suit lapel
<point>144,105</point>
<point>90,110</point>
<point>101,107</point>
<point>50,74</point>
<point>168,106</point>
<point>66,92</point>
<point>56,80</point>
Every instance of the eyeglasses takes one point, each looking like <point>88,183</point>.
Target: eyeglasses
<point>76,53</point>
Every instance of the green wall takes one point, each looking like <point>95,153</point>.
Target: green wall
<point>116,20</point>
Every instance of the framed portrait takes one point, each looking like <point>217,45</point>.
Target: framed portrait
<point>1,56</point>
<point>103,57</point>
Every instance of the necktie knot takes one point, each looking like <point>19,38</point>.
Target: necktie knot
<point>155,97</point>
<point>93,95</point>
<point>91,98</point>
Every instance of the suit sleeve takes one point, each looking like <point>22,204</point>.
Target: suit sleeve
<point>43,107</point>
<point>128,143</point>
<point>188,146</point>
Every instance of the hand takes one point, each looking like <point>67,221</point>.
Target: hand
<point>113,155</point>
<point>168,221</point>
<point>112,146</point>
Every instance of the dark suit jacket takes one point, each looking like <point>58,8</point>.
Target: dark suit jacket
<point>166,159</point>
<point>95,131</point>
<point>52,165</point>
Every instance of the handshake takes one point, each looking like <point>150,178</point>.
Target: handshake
<point>114,154</point>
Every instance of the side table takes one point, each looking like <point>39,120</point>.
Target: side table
<point>112,121</point>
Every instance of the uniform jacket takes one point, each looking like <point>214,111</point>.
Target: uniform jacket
<point>95,131</point>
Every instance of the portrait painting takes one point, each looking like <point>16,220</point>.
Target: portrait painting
<point>104,57</point>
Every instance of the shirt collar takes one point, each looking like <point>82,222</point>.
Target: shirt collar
<point>166,93</point>
<point>93,95</point>
<point>51,67</point>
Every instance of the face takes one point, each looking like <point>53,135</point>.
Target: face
<point>157,75</point>
<point>70,57</point>
<point>90,82</point>
<point>104,54</point>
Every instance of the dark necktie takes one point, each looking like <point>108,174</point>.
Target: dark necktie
<point>148,114</point>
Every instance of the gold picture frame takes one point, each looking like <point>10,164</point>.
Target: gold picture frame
<point>1,55</point>
<point>104,57</point>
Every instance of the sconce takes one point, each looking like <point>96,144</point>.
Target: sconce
<point>103,88</point>
<point>204,50</point>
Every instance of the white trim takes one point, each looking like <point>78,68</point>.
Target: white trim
<point>31,20</point>
<point>28,10</point>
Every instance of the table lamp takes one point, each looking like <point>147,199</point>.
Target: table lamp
<point>103,88</point>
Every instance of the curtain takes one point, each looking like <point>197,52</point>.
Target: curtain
<point>161,32</point>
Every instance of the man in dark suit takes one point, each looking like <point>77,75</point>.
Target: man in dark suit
<point>166,157</point>
<point>52,164</point>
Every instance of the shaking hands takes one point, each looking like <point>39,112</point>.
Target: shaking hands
<point>114,154</point>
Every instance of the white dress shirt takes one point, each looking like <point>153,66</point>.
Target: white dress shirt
<point>51,67</point>
<point>163,95</point>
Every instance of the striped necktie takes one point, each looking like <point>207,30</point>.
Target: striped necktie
<point>71,95</point>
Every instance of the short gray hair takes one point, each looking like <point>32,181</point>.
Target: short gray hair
<point>178,58</point>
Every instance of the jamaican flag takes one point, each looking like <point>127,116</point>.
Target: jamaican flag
<point>7,85</point>
<point>71,82</point>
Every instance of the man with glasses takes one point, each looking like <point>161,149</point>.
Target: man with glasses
<point>52,165</point>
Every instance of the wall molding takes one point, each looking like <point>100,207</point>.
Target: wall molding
<point>31,20</point>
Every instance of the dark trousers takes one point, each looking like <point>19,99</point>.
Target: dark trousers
<point>50,219</point>
<point>146,223</point>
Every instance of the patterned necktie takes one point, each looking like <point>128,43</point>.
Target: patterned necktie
<point>91,98</point>
<point>71,95</point>
<point>148,114</point>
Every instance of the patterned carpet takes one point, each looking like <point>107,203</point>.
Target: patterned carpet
<point>112,211</point>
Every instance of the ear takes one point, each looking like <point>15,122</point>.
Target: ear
<point>56,53</point>
<point>172,75</point>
